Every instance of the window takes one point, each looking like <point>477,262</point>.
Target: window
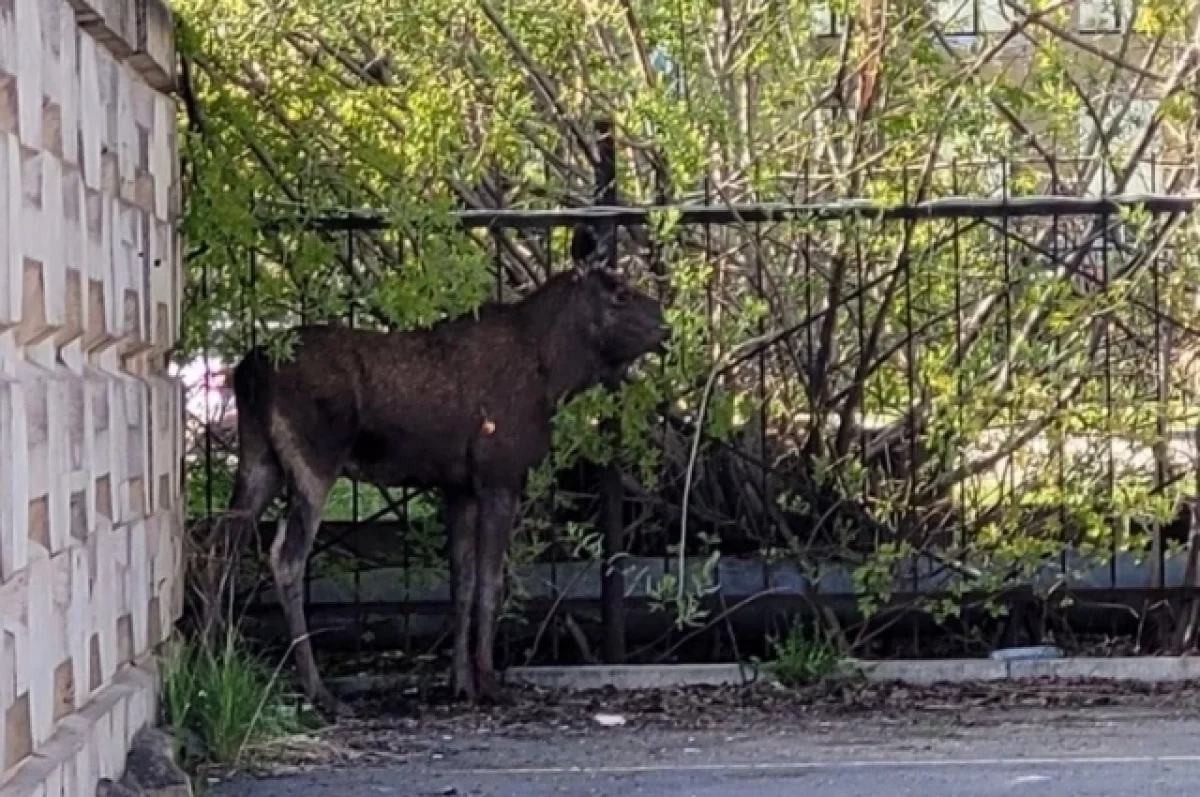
<point>976,174</point>
<point>825,132</point>
<point>1121,140</point>
<point>1147,178</point>
<point>824,21</point>
<point>992,179</point>
<point>957,17</point>
<point>995,16</point>
<point>979,17</point>
<point>1102,16</point>
<point>972,17</point>
<point>664,66</point>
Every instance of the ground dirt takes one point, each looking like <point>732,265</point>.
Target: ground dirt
<point>836,739</point>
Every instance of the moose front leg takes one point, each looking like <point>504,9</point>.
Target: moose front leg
<point>497,512</point>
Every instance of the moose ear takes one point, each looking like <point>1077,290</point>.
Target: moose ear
<point>587,251</point>
<point>583,245</point>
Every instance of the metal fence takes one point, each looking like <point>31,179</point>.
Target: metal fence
<point>923,384</point>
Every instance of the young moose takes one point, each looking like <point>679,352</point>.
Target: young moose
<point>464,406</point>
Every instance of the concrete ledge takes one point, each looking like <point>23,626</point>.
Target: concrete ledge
<point>1146,669</point>
<point>91,743</point>
<point>738,578</point>
<point>918,673</point>
<point>932,671</point>
<point>633,676</point>
<point>354,685</point>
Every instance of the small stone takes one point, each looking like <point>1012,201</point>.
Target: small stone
<point>150,767</point>
<point>610,720</point>
<point>106,788</point>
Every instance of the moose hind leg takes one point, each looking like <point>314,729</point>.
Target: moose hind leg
<point>312,464</point>
<point>259,479</point>
<point>463,515</point>
<point>497,513</point>
<point>289,560</point>
<point>257,483</point>
<point>259,474</point>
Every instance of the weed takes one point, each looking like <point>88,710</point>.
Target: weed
<point>802,659</point>
<point>220,698</point>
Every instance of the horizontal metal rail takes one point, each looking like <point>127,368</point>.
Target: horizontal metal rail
<point>733,214</point>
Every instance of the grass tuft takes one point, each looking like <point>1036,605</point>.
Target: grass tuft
<point>220,699</point>
<point>803,659</point>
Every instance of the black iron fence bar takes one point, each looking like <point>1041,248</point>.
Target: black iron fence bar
<point>693,214</point>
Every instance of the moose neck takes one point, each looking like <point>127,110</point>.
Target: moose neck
<point>551,322</point>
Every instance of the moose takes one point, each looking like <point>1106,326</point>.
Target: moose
<point>463,406</point>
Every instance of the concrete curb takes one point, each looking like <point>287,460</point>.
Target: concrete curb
<point>634,676</point>
<point>918,673</point>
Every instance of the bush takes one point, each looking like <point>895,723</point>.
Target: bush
<point>220,698</point>
<point>802,659</point>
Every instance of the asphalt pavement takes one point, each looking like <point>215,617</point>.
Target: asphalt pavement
<point>1113,778</point>
<point>1064,754</point>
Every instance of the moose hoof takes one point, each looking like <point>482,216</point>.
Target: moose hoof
<point>463,693</point>
<point>333,708</point>
<point>498,698</point>
<point>462,686</point>
<point>490,694</point>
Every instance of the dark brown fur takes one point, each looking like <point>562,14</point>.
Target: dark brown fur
<point>464,406</point>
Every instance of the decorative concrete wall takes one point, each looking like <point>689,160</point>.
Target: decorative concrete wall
<point>90,422</point>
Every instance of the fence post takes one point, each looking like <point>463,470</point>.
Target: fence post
<point>612,497</point>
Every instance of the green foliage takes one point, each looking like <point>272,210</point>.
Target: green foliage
<point>680,594</point>
<point>1037,394</point>
<point>802,659</point>
<point>220,699</point>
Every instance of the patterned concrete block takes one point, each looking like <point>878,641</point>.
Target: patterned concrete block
<point>8,557</point>
<point>163,321</point>
<point>164,463</point>
<point>14,545</point>
<point>69,91</point>
<point>154,55</point>
<point>77,625</point>
<point>52,14</point>
<point>11,248</point>
<point>90,284</point>
<point>41,648</point>
<point>134,420</point>
<point>28,27</point>
<point>8,43</point>
<point>139,586</point>
<point>126,131</point>
<point>40,472</point>
<point>18,731</point>
<point>112,23</point>
<point>90,111</point>
<point>14,656</point>
<point>104,599</point>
